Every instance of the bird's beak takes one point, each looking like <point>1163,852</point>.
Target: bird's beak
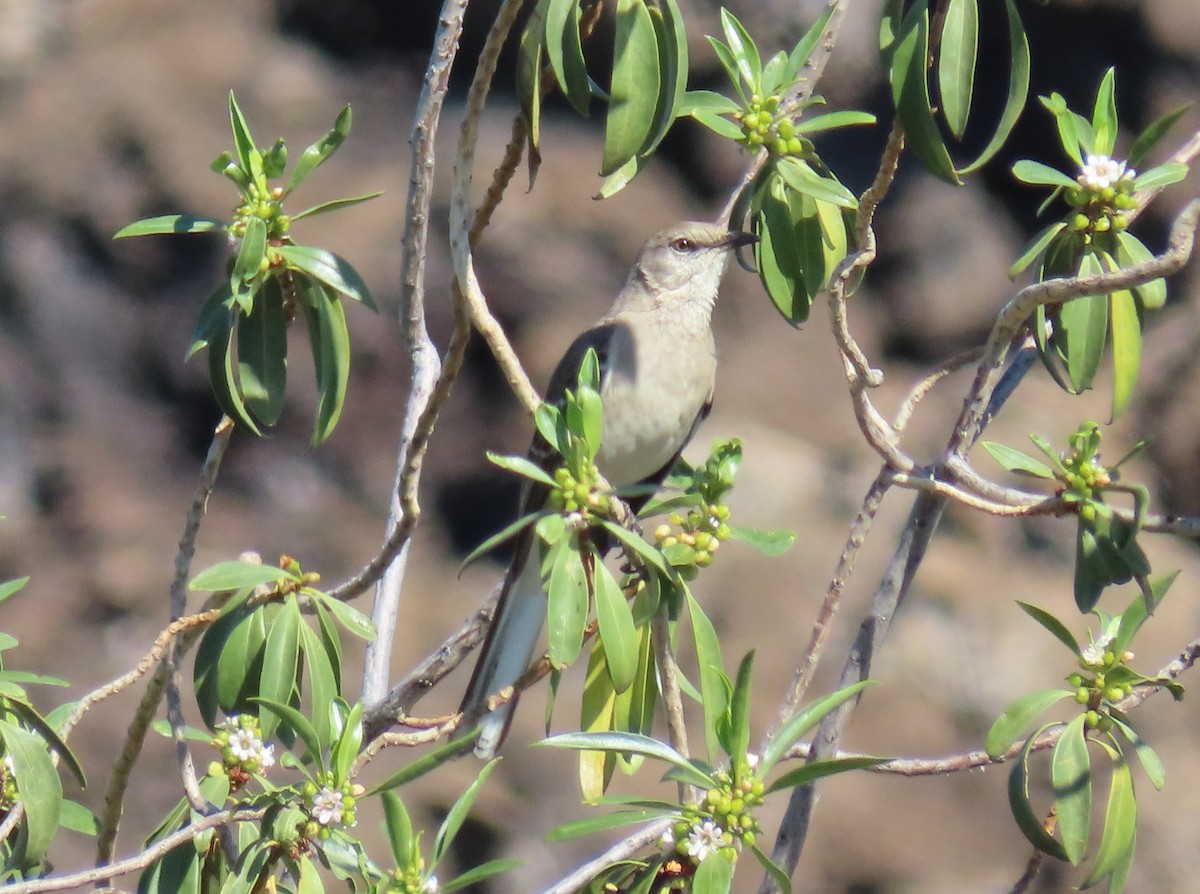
<point>737,238</point>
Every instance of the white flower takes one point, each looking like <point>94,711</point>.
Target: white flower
<point>752,760</point>
<point>1100,172</point>
<point>704,840</point>
<point>244,745</point>
<point>666,841</point>
<point>266,756</point>
<point>1093,653</point>
<point>430,885</point>
<point>327,807</point>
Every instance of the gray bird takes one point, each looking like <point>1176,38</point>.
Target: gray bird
<point>657,369</point>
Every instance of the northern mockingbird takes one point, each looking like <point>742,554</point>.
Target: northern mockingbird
<point>657,369</point>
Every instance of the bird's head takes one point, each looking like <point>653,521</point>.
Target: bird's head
<point>686,261</point>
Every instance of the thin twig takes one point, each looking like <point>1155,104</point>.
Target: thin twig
<point>422,353</point>
<point>460,216</point>
<point>152,853</point>
<point>624,849</point>
<point>114,796</point>
<point>668,676</point>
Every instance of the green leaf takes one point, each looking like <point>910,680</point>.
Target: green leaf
<point>318,152</point>
<point>1164,175</point>
<point>245,277</point>
<point>170,223</point>
<point>1018,716</point>
<point>275,160</point>
<point>769,543</point>
<point>208,655</point>
<point>708,101</point>
<point>522,466</point>
<point>1018,89</point>
<point>743,49</point>
<point>1152,764</point>
<point>44,729</point>
<point>221,373</point>
<point>910,94</point>
<point>399,829</point>
<point>240,661</point>
<point>956,62</point>
<point>1131,252</point>
<point>1072,777</point>
<point>248,155</point>
<point>1154,132</point>
<point>1015,461</point>
<point>1120,824</point>
<point>529,75</point>
<point>424,764</point>
<point>832,120</point>
<point>506,533</point>
<point>814,35</point>
<point>323,690</point>
<point>1027,819</point>
<point>1126,348</point>
<point>12,587</point>
<point>476,874</point>
<point>1068,124</point>
<point>567,610</point>
<point>334,205</point>
<point>329,338</point>
<point>712,674</point>
<point>605,823</point>
<point>1136,614</point>
<point>281,657</point>
<point>262,354</point>
<point>74,817</point>
<point>1053,625</point>
<point>458,813</point>
<point>1081,330</point>
<point>633,95</point>
<point>801,722</point>
<point>39,786</point>
<point>214,318</point>
<point>1035,247</point>
<point>565,51</point>
<point>236,575</point>
<point>630,743</point>
<point>714,875</point>
<point>617,630</point>
<point>778,254</point>
<point>296,721</point>
<point>352,620</point>
<point>637,546</point>
<point>1034,172</point>
<point>801,177</point>
<point>673,57</point>
<point>778,876</point>
<point>737,738</point>
<point>327,268</point>
<point>722,127</point>
<point>1104,115</point>
<point>811,772</point>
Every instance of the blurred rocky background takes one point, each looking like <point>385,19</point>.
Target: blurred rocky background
<point>111,110</point>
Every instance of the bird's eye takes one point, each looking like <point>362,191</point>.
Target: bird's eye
<point>682,244</point>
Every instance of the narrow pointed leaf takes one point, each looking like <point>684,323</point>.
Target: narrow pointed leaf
<point>262,354</point>
<point>567,610</point>
<point>799,176</point>
<point>636,82</point>
<point>803,721</point>
<point>242,141</point>
<point>1034,172</point>
<point>1018,89</point>
<point>1035,247</point>
<point>1126,348</point>
<point>350,618</point>
<point>712,674</point>
<point>476,874</point>
<point>1154,132</point>
<point>457,814</point>
<point>745,53</point>
<point>1130,252</point>
<point>1053,625</point>
<point>811,772</point>
<point>170,223</point>
<point>910,94</point>
<point>565,52</point>
<point>781,879</point>
<point>1027,819</point>
<point>281,658</point>
<point>1082,330</point>
<point>1018,717</point>
<point>1015,461</point>
<point>814,35</point>
<point>832,120</point>
<point>714,875</point>
<point>673,58</point>
<point>769,543</point>
<point>529,75</point>
<point>1164,175</point>
<point>606,823</point>
<point>318,152</point>
<point>1152,764</point>
<point>399,828</point>
<point>1104,115</point>
<point>335,205</point>
<point>221,372</point>
<point>296,721</point>
<point>39,786</point>
<point>1071,772</point>
<point>326,267</point>
<point>617,631</point>
<point>956,62</point>
<point>1120,824</point>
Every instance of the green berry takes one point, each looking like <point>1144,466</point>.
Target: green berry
<point>1114,693</point>
<point>1075,679</point>
<point>785,128</point>
<point>1082,695</point>
<point>1080,222</point>
<point>795,146</point>
<point>1103,224</point>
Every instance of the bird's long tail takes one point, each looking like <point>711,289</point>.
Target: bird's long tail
<point>508,649</point>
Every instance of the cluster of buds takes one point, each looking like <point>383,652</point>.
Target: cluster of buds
<point>243,752</point>
<point>761,126</point>
<point>412,880</point>
<point>703,529</point>
<point>1102,198</point>
<point>329,805</point>
<point>268,206</point>
<point>1085,474</point>
<point>1098,686</point>
<point>722,819</point>
<point>587,496</point>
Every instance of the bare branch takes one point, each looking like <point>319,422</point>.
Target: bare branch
<point>622,850</point>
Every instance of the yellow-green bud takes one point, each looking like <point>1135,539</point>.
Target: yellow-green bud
<point>786,128</point>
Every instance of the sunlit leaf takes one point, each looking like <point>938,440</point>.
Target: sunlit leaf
<point>1072,776</point>
<point>956,62</point>
<point>1018,716</point>
<point>636,82</point>
<point>314,155</point>
<point>1053,625</point>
